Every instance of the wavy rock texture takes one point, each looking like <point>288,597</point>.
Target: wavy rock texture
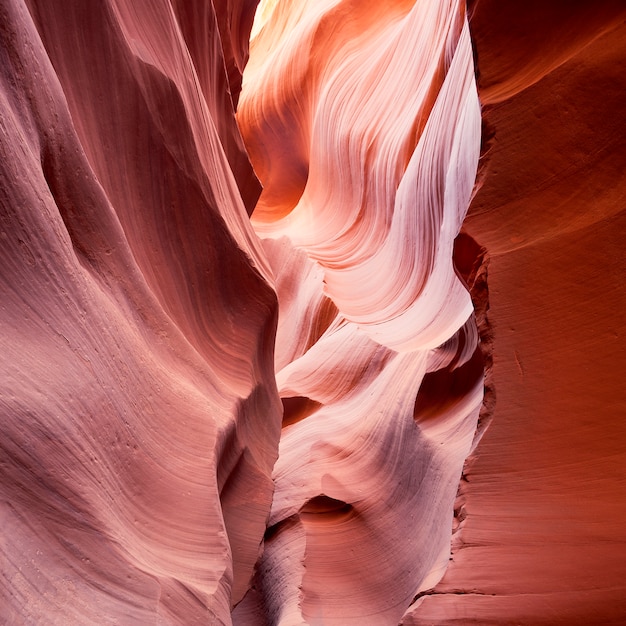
<point>140,416</point>
<point>367,180</point>
<point>151,330</point>
<point>542,539</point>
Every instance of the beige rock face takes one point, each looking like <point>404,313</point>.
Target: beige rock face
<point>367,180</point>
<point>236,400</point>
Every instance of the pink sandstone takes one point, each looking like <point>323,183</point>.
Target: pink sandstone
<point>260,281</point>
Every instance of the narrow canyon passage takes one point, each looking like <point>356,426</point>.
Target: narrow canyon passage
<point>366,182</point>
<point>250,261</point>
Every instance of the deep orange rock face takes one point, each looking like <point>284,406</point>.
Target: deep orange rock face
<point>236,400</point>
<point>541,542</point>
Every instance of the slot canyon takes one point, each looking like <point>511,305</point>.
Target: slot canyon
<point>312,312</point>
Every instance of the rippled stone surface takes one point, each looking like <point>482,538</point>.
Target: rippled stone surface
<point>236,400</point>
<point>367,179</point>
<point>541,541</point>
<point>140,417</point>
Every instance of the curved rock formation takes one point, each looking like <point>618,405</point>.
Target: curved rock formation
<point>377,353</point>
<point>231,404</point>
<point>543,503</point>
<point>140,416</point>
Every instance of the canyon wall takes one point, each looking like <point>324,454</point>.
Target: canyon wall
<point>542,539</point>
<point>367,179</point>
<point>256,302</point>
<point>140,417</point>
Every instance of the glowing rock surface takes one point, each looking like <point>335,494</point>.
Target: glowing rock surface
<point>364,194</point>
<point>228,401</point>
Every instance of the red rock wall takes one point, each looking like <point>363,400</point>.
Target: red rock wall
<point>541,540</point>
<point>150,329</point>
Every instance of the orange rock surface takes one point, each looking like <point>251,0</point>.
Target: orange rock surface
<point>542,539</point>
<point>260,286</point>
<point>378,357</point>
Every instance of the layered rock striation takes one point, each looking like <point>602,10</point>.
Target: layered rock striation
<point>247,357</point>
<point>140,417</point>
<point>367,180</point>
<point>543,501</point>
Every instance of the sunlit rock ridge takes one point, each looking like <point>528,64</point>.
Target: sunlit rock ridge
<point>247,348</point>
<point>367,180</point>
